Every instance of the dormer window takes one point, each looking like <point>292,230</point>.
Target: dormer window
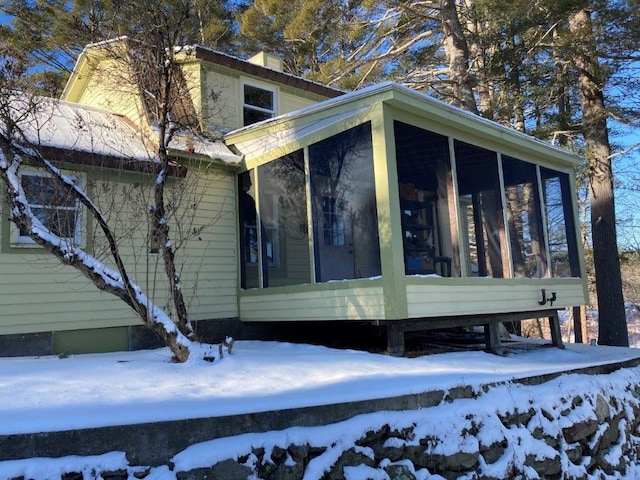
<point>259,104</point>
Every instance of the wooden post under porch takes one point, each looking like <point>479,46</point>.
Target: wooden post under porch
<point>396,329</point>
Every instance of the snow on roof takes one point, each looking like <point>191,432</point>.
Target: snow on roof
<point>70,126</point>
<point>57,124</point>
<point>200,145</point>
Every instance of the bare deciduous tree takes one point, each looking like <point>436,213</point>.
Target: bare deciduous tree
<point>16,151</point>
<point>147,64</point>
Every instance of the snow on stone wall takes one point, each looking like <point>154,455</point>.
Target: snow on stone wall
<point>575,426</point>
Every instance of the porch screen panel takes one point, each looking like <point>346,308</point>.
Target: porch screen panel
<point>283,216</point>
<point>426,201</point>
<point>345,225</point>
<point>480,204</point>
<point>563,247</point>
<point>526,235</point>
<point>249,235</point>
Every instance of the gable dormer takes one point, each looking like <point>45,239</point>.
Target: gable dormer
<point>102,78</point>
<point>219,92</point>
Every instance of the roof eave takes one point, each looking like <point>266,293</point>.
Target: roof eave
<point>202,157</point>
<point>266,73</point>
<point>412,101</point>
<point>382,91</point>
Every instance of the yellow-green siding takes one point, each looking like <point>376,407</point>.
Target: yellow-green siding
<point>447,297</point>
<point>350,301</point>
<point>39,294</point>
<point>222,97</point>
<point>107,87</point>
<point>422,298</point>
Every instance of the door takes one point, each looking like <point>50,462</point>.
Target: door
<point>336,260</point>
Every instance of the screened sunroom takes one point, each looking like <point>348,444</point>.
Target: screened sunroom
<point>387,206</point>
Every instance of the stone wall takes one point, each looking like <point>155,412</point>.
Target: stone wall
<point>588,436</point>
<point>585,428</point>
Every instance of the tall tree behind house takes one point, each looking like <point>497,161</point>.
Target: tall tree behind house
<point>612,327</point>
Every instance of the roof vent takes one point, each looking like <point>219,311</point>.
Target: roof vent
<point>268,60</point>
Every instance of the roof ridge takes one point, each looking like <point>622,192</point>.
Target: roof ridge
<point>238,63</point>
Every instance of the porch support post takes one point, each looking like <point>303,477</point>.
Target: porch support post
<point>554,326</point>
<point>579,324</point>
<point>389,219</point>
<point>395,339</point>
<point>492,337</point>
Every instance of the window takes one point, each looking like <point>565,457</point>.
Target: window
<point>274,229</point>
<point>258,104</point>
<point>53,205</point>
<point>524,220</point>
<point>268,230</point>
<point>332,225</point>
<point>248,230</point>
<point>283,215</point>
<point>343,203</point>
<point>425,186</point>
<point>270,244</point>
<point>563,254</point>
<point>479,197</point>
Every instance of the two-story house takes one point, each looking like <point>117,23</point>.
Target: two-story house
<point>379,206</point>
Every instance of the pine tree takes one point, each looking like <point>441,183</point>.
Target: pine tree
<point>592,78</point>
<point>54,33</point>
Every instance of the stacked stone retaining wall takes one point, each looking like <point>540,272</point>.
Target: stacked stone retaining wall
<point>581,426</point>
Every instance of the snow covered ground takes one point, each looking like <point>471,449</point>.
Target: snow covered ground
<point>50,393</point>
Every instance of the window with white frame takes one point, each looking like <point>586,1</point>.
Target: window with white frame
<point>53,205</point>
<point>333,228</point>
<point>259,104</point>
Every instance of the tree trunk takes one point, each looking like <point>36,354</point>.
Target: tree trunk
<point>457,51</point>
<point>161,229</point>
<point>612,326</point>
<point>478,56</point>
<point>168,93</point>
